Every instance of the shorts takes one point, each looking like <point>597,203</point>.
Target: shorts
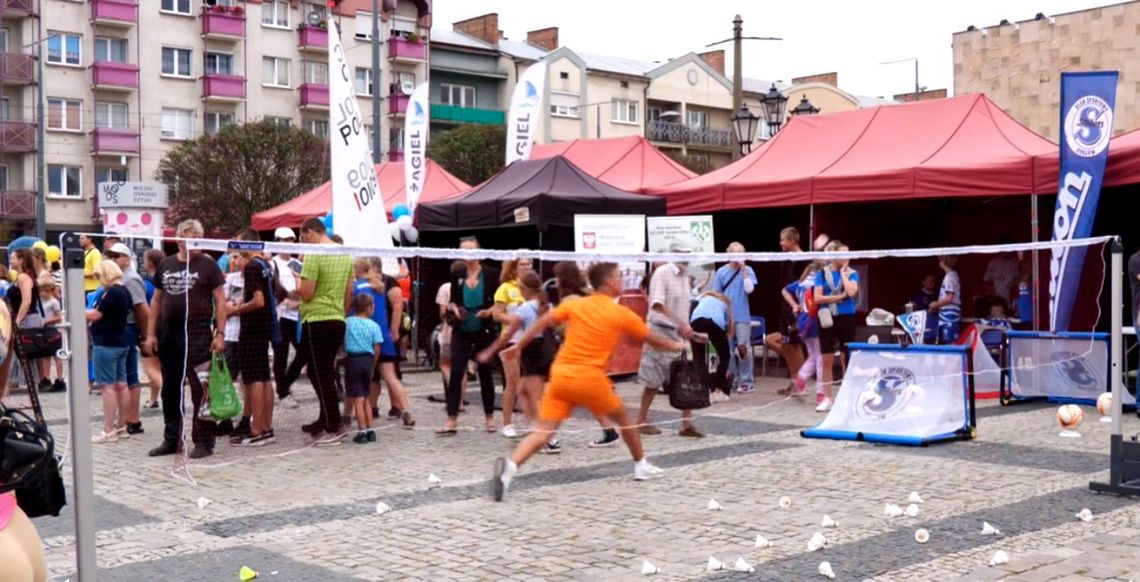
<point>536,360</point>
<point>253,358</point>
<point>386,359</point>
<point>841,333</point>
<point>654,369</point>
<point>233,360</point>
<point>133,356</point>
<point>790,332</point>
<point>572,386</point>
<point>110,365</point>
<point>358,371</point>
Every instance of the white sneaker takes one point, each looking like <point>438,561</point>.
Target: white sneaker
<point>106,437</point>
<point>289,402</point>
<point>510,432</point>
<point>824,406</point>
<point>501,480</point>
<point>643,470</point>
<point>718,396</point>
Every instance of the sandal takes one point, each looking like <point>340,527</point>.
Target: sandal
<point>447,431</point>
<point>787,390</point>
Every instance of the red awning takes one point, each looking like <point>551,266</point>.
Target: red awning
<point>961,146</point>
<point>438,185</point>
<point>1123,160</point>
<point>629,163</point>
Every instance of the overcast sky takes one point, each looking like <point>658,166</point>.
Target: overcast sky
<point>847,36</point>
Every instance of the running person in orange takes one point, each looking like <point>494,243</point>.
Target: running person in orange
<point>578,376</point>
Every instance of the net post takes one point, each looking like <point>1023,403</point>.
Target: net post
<point>82,471</point>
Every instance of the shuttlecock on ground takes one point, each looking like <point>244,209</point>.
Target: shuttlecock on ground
<point>921,536</point>
<point>648,569</point>
<point>825,570</point>
<point>785,502</point>
<point>203,502</point>
<point>434,480</point>
<point>912,510</point>
<point>1000,557</point>
<point>714,565</point>
<point>817,542</point>
<point>892,510</point>
<point>382,508</point>
<point>914,497</point>
<point>828,522</point>
<point>246,574</point>
<point>762,542</point>
<point>1085,515</point>
<point>742,566</point>
<point>714,506</point>
<point>989,530</point>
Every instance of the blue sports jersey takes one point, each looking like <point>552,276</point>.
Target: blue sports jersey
<point>379,315</point>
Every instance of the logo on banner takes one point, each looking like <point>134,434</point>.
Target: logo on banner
<point>886,394</point>
<point>589,240</point>
<point>1088,126</point>
<point>1076,370</point>
<point>701,231</point>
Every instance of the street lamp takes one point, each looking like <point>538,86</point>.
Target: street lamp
<point>804,107</point>
<point>744,126</point>
<point>774,102</point>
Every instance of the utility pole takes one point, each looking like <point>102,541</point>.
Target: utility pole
<point>376,119</point>
<point>737,40</point>
<point>41,162</point>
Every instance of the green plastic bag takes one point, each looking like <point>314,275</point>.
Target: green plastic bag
<point>224,401</point>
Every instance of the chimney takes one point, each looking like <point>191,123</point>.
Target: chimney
<point>715,59</point>
<point>546,38</point>
<point>923,95</point>
<point>825,78</point>
<point>484,27</point>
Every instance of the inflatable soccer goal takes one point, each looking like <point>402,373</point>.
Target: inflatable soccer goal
<point>1063,367</point>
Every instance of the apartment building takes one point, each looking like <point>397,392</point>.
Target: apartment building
<point>124,82</point>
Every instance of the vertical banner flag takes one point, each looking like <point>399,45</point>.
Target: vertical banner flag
<point>1087,100</point>
<point>416,124</point>
<point>526,107</point>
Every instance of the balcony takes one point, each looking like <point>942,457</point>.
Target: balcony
<point>314,96</point>
<point>398,103</point>
<point>671,132</point>
<point>17,137</point>
<point>223,88</point>
<point>456,114</point>
<point>17,69</point>
<point>122,13</point>
<point>313,38</point>
<point>112,76</point>
<point>402,49</point>
<point>17,205</point>
<point>218,25</point>
<point>115,142</point>
<point>17,8</point>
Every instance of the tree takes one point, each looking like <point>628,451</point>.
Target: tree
<point>472,152</point>
<point>223,179</point>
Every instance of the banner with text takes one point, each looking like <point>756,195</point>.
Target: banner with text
<point>694,232</point>
<point>613,233</point>
<point>416,124</point>
<point>525,112</point>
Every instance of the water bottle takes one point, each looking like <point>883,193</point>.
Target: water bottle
<point>909,307</point>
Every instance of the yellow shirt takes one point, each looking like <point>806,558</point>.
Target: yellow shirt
<point>509,294</point>
<point>91,259</point>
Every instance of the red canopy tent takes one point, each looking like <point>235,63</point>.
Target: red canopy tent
<point>438,185</point>
<point>629,163</point>
<point>961,146</point>
<point>1123,160</point>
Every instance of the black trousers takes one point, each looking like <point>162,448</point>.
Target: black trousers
<point>177,369</point>
<point>715,379</point>
<point>320,342</point>
<point>465,345</point>
<point>284,372</point>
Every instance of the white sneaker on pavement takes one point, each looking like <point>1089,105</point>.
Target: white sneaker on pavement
<point>510,432</point>
<point>289,402</point>
<point>824,406</point>
<point>643,470</point>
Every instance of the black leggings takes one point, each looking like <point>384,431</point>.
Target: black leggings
<point>465,345</point>
<point>320,342</point>
<point>286,373</point>
<point>718,379</point>
<point>176,371</point>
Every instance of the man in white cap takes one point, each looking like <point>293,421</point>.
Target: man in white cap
<point>285,268</point>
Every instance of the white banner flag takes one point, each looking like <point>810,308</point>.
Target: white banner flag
<point>416,124</point>
<point>526,107</point>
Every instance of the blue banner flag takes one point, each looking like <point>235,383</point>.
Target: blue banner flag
<point>1087,101</point>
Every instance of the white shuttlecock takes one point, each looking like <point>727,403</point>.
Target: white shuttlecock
<point>382,508</point>
<point>762,542</point>
<point>1000,557</point>
<point>825,570</point>
<point>714,506</point>
<point>1085,515</point>
<point>714,565</point>
<point>892,510</point>
<point>648,569</point>
<point>817,542</point>
<point>785,502</point>
<point>921,536</point>
<point>989,530</point>
<point>914,497</point>
<point>912,510</point>
<point>203,502</point>
<point>742,566</point>
<point>434,480</point>
<point>828,522</point>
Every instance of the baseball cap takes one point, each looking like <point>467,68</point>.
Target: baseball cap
<point>283,233</point>
<point>120,249</point>
<point>679,247</point>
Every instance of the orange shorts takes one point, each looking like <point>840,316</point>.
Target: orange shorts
<point>572,386</point>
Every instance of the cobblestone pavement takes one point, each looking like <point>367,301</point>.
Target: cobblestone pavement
<point>294,512</point>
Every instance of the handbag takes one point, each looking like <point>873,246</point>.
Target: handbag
<point>224,402</point>
<point>41,492</point>
<point>686,390</point>
<point>826,318</point>
<point>39,342</point>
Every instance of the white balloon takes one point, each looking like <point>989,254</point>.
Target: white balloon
<point>394,229</point>
<point>405,222</point>
<point>412,234</point>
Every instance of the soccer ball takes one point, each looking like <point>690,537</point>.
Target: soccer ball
<point>1069,416</point>
<point>1104,404</point>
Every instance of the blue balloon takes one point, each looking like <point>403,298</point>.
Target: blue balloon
<point>327,220</point>
<point>401,210</point>
<point>24,242</point>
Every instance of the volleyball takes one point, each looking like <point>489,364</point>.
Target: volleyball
<point>1104,404</point>
<point>1069,416</point>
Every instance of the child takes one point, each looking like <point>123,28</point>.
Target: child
<point>362,341</point>
<point>949,304</point>
<point>800,296</point>
<point>53,315</point>
<point>234,289</point>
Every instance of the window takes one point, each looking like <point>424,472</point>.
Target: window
<point>215,121</point>
<point>563,75</point>
<point>562,105</point>
<point>65,114</point>
<point>697,118</point>
<point>625,111</point>
<point>176,62</point>
<point>363,26</point>
<point>5,109</point>
<point>3,40</point>
<point>403,82</point>
<point>654,114</point>
<point>363,82</point>
<point>111,115</point>
<point>219,64</point>
<point>3,177</point>
<point>110,49</point>
<point>403,26</point>
<point>275,71</point>
<point>64,48</point>
<point>116,175</point>
<point>176,6</point>
<point>280,121</point>
<point>275,13</point>
<point>457,95</point>
<point>315,72</point>
<point>66,181</point>
<point>395,139</point>
<point>321,11</point>
<point>318,127</point>
<point>177,123</point>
